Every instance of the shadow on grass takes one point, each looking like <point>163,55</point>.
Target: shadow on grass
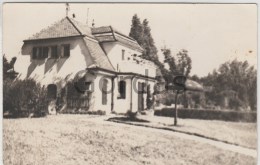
<point>172,125</point>
<point>128,119</point>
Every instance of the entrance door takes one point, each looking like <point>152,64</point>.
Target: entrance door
<point>140,97</point>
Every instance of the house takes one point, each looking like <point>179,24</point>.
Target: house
<point>88,68</point>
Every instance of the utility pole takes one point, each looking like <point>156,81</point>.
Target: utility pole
<point>175,109</point>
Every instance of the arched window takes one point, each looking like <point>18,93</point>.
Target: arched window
<point>52,91</point>
<point>122,89</point>
<point>104,91</point>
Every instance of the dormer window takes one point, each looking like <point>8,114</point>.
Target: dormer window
<point>54,51</point>
<point>45,51</point>
<point>34,55</point>
<point>65,50</point>
<point>123,54</point>
<point>40,52</point>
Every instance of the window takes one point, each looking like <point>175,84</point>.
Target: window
<point>34,55</point>
<point>122,89</point>
<point>123,54</point>
<point>54,52</point>
<point>65,51</point>
<point>45,52</point>
<point>40,52</point>
<point>104,92</point>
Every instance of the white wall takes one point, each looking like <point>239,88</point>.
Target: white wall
<point>50,70</point>
<point>114,52</point>
<point>97,94</point>
<point>123,105</point>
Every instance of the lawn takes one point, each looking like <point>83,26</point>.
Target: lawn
<point>84,139</point>
<point>239,133</point>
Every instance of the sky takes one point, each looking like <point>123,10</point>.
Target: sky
<point>212,33</point>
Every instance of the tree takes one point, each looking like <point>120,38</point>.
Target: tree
<point>235,81</point>
<point>23,96</point>
<point>141,32</point>
<point>184,63</point>
<point>149,98</point>
<point>8,68</point>
<point>136,31</point>
<point>150,52</point>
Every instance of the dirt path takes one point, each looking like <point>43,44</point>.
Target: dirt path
<point>218,144</point>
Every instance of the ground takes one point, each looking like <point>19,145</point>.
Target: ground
<point>84,139</point>
<point>238,133</point>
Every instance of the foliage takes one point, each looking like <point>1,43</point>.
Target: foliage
<point>131,115</point>
<point>136,31</point>
<point>209,114</point>
<point>23,97</point>
<point>141,32</point>
<point>235,81</point>
<point>8,68</point>
<point>184,63</point>
<point>149,99</point>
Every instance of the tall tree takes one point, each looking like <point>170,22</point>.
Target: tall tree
<point>136,31</point>
<point>148,43</point>
<point>141,32</point>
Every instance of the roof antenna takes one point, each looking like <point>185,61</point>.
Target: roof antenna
<point>93,23</point>
<point>87,16</point>
<point>67,9</point>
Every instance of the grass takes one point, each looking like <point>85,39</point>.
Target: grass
<point>239,133</point>
<point>85,139</point>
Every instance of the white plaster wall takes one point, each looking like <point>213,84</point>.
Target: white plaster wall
<point>135,94</point>
<point>51,70</point>
<point>114,52</point>
<point>97,94</point>
<point>123,105</point>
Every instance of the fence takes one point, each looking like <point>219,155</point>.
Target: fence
<point>209,114</point>
<point>80,102</point>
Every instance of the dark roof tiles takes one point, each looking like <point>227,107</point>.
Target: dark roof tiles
<point>63,28</point>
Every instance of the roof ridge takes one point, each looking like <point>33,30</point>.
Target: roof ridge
<point>69,19</point>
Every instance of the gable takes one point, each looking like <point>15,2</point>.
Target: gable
<point>62,28</point>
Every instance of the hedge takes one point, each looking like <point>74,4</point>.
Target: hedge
<point>206,114</point>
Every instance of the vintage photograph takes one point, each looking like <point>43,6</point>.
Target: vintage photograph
<point>129,84</point>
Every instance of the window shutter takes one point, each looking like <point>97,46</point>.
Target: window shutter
<point>54,52</point>
<point>34,53</point>
<point>45,52</point>
<point>66,50</point>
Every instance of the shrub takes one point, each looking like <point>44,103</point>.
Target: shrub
<point>24,97</point>
<point>207,114</point>
<point>131,115</point>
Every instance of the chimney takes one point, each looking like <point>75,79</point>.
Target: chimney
<point>93,23</point>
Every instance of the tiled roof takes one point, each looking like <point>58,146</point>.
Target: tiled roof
<point>98,55</point>
<point>102,29</point>
<point>114,35</point>
<point>67,27</point>
<point>62,28</point>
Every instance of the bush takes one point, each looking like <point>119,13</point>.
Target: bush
<point>209,114</point>
<point>23,97</point>
<point>131,115</point>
